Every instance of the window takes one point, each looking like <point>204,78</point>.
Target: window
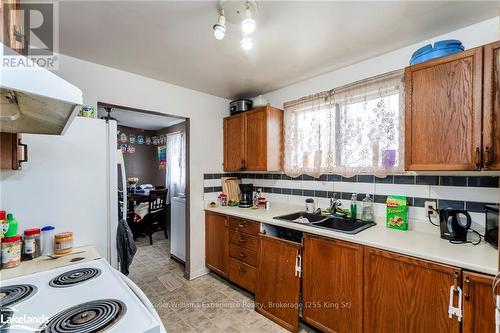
<point>347,131</point>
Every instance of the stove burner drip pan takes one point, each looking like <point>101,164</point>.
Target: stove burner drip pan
<point>74,277</point>
<point>90,317</point>
<point>11,295</point>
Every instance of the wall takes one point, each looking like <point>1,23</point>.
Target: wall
<point>475,35</point>
<point>459,192</point>
<point>143,163</point>
<point>108,85</point>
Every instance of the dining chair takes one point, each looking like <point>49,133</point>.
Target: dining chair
<point>155,219</point>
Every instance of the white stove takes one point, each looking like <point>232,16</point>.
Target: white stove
<point>85,298</point>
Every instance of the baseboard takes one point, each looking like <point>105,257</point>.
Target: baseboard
<point>198,273</point>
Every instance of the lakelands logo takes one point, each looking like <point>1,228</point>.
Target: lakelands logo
<point>32,30</point>
<point>22,323</point>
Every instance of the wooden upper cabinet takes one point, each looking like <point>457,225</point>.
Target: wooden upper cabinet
<point>217,243</point>
<point>278,283</point>
<point>443,113</point>
<point>332,285</point>
<point>405,294</point>
<point>253,140</point>
<point>478,306</point>
<point>12,151</point>
<point>491,107</point>
<point>234,142</point>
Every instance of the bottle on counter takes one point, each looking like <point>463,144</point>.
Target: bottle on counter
<point>354,206</point>
<point>367,211</point>
<point>31,244</point>
<point>3,223</point>
<point>48,240</point>
<point>12,226</point>
<point>11,251</point>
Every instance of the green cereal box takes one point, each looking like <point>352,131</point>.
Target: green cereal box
<point>397,212</point>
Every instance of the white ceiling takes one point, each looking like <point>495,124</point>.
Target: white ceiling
<point>173,40</point>
<point>141,120</point>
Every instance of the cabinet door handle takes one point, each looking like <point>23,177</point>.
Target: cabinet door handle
<point>478,158</point>
<point>467,288</point>
<point>243,240</point>
<point>25,151</point>
<point>488,155</point>
<point>242,224</point>
<point>241,269</point>
<point>242,255</point>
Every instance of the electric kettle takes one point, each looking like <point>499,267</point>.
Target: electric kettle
<point>454,224</point>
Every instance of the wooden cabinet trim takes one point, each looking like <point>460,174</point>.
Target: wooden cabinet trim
<point>217,259</point>
<point>335,276</point>
<point>478,305</point>
<point>273,267</point>
<point>244,225</point>
<point>407,296</point>
<point>476,109</point>
<point>491,107</point>
<point>242,274</point>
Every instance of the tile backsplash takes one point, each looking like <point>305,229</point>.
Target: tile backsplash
<point>462,192</point>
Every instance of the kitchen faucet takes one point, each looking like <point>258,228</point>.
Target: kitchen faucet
<point>335,204</point>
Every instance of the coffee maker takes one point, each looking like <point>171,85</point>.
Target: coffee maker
<point>246,196</point>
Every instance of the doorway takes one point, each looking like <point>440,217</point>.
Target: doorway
<point>154,198</point>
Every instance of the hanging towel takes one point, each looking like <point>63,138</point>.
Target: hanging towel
<point>125,245</point>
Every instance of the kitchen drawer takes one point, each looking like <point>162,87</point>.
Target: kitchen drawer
<point>241,225</point>
<point>244,240</point>
<point>242,254</point>
<point>242,274</point>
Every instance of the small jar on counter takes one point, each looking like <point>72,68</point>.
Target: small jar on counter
<point>63,243</point>
<point>11,251</point>
<point>31,244</point>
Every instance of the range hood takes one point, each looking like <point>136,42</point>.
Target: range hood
<point>35,100</point>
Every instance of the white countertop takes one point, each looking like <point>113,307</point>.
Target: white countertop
<point>44,263</point>
<point>423,241</point>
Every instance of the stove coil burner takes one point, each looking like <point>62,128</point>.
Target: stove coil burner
<point>74,277</point>
<point>11,295</point>
<point>90,317</point>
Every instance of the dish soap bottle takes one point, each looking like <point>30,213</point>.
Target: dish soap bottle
<point>367,213</point>
<point>12,230</point>
<point>354,206</point>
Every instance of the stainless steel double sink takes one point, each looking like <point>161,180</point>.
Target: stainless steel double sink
<point>340,224</point>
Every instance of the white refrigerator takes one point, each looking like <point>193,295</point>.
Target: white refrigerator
<point>70,182</point>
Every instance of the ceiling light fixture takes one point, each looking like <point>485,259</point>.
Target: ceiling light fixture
<point>220,26</point>
<point>246,43</point>
<point>248,24</point>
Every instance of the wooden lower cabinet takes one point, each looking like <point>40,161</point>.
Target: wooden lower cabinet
<point>278,286</point>
<point>405,294</point>
<point>478,306</point>
<point>217,243</point>
<point>332,285</point>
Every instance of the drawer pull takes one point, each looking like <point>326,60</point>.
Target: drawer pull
<point>242,225</point>
<point>242,255</point>
<point>241,269</point>
<point>243,240</point>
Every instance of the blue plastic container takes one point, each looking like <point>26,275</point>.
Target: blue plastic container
<point>441,49</point>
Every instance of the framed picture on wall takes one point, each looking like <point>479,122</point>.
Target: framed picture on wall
<point>162,157</point>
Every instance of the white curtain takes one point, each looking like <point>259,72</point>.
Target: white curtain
<point>355,129</point>
<point>175,164</point>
